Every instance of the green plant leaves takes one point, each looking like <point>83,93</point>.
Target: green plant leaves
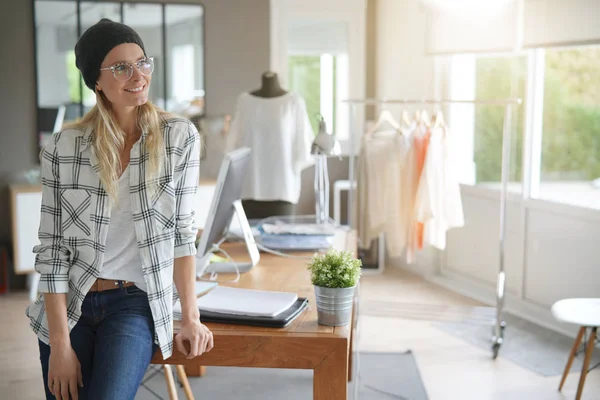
<point>335,269</point>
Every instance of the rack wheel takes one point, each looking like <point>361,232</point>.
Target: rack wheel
<point>495,350</point>
<point>498,340</point>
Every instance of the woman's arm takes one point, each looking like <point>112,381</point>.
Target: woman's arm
<point>184,276</point>
<point>56,311</point>
<point>53,260</point>
<point>186,176</point>
<point>197,334</point>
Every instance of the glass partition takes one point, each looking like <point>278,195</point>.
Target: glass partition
<point>185,55</point>
<point>172,33</point>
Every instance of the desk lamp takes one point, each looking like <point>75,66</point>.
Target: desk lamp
<point>323,146</point>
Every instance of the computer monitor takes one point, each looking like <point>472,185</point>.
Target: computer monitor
<point>50,119</point>
<point>225,204</point>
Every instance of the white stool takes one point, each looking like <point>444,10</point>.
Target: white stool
<point>586,314</point>
<point>338,186</point>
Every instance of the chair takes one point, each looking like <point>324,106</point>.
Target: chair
<point>585,313</point>
<point>170,381</point>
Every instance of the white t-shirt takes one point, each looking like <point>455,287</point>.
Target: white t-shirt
<point>280,135</point>
<point>122,259</point>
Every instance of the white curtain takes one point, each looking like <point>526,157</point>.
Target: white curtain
<point>548,23</point>
<point>496,26</point>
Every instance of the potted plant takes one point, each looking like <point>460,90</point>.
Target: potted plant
<point>334,275</point>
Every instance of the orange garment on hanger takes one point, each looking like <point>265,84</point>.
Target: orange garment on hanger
<point>421,143</point>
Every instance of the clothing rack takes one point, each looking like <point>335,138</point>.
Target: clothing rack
<point>500,324</point>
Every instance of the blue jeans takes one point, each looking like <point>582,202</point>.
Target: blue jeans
<point>114,342</point>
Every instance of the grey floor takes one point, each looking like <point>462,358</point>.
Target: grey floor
<point>381,376</point>
<point>536,348</point>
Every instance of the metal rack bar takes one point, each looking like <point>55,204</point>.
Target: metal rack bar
<point>498,331</point>
<point>497,102</point>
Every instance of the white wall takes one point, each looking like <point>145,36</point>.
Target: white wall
<point>402,69</point>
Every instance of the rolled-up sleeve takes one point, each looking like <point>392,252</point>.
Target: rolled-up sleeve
<point>52,258</point>
<point>186,176</point>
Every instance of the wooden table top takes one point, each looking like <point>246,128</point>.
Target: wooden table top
<point>279,273</point>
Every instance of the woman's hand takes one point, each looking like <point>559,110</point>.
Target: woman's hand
<point>64,372</point>
<point>199,336</point>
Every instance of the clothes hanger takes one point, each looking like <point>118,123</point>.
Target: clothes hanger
<point>425,118</point>
<point>384,116</point>
<point>438,120</point>
<point>418,119</point>
<point>406,118</point>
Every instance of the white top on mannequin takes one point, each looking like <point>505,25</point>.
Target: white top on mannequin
<point>278,131</point>
<point>122,260</point>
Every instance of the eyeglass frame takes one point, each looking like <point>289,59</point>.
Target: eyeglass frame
<point>134,65</point>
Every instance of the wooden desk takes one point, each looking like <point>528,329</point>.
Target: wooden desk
<point>304,344</point>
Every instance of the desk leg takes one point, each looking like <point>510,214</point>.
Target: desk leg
<point>351,348</point>
<point>195,370</point>
<point>330,381</point>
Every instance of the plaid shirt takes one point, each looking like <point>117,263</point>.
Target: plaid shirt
<point>75,215</point>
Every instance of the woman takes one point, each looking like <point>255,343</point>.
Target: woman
<point>117,230</point>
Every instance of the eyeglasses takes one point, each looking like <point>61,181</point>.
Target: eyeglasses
<point>123,71</point>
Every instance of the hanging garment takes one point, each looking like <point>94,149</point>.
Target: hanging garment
<point>382,201</point>
<point>439,204</point>
<point>421,145</point>
<point>419,141</point>
<point>279,133</point>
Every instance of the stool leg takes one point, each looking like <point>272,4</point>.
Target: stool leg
<point>571,357</point>
<point>586,362</point>
<point>184,381</point>
<point>170,382</point>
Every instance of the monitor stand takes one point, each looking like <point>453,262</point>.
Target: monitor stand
<point>203,264</point>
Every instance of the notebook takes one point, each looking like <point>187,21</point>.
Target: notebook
<point>279,321</point>
<point>237,301</point>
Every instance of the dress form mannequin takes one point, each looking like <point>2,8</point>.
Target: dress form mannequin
<point>255,209</point>
<point>270,86</point>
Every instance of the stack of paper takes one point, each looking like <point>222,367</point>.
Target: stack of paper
<point>237,301</point>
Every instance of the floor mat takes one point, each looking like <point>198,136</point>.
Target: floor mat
<point>534,347</point>
<point>382,376</point>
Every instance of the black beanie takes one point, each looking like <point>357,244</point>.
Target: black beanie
<point>96,42</point>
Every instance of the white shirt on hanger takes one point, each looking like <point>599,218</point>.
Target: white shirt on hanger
<point>279,133</point>
<point>384,204</point>
<point>439,204</point>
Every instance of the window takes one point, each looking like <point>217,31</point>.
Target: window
<point>563,121</point>
<point>317,69</point>
<point>182,72</point>
<point>479,128</point>
<point>570,142</point>
<point>319,79</point>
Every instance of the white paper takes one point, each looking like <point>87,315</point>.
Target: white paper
<point>236,301</point>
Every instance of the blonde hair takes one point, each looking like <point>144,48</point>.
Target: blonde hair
<point>108,140</point>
